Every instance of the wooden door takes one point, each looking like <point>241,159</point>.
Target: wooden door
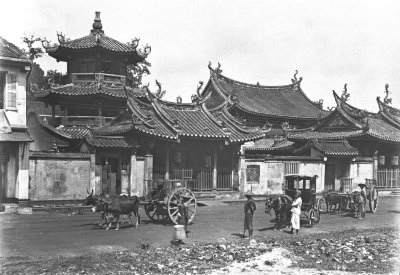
<point>106,179</point>
<point>329,177</point>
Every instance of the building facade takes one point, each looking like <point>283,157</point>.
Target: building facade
<point>14,138</point>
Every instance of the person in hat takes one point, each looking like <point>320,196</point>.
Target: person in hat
<point>183,212</point>
<point>249,208</point>
<point>362,201</point>
<point>296,211</point>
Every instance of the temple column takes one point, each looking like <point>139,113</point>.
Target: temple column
<point>148,172</point>
<point>23,174</point>
<point>167,148</point>
<point>215,172</point>
<point>132,173</point>
<point>242,173</point>
<point>92,179</point>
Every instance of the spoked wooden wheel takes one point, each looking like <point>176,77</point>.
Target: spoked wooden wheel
<point>373,199</point>
<point>175,199</point>
<point>156,211</point>
<point>311,218</point>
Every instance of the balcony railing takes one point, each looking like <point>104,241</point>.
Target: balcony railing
<point>98,77</point>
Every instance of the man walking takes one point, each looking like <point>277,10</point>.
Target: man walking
<point>249,208</point>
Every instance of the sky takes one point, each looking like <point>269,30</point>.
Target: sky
<point>330,43</point>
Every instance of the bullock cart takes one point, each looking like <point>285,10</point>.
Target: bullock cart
<point>163,199</point>
<point>307,185</point>
<point>347,186</point>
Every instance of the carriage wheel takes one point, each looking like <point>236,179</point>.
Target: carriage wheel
<point>373,199</point>
<point>311,218</point>
<point>156,211</point>
<point>321,206</point>
<point>174,200</point>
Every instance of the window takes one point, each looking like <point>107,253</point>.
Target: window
<point>11,93</point>
<point>253,174</point>
<point>291,168</point>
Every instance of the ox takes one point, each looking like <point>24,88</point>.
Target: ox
<point>116,206</point>
<point>335,199</point>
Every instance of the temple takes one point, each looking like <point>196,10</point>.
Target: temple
<point>108,134</point>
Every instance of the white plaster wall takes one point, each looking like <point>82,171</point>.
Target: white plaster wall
<point>17,116</point>
<point>359,171</point>
<point>314,168</point>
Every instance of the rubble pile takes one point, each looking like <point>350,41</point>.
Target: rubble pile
<point>356,250</point>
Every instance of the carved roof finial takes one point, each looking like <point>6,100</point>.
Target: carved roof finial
<point>218,69</point>
<point>160,93</point>
<point>97,26</point>
<point>345,95</point>
<point>199,88</point>
<point>387,100</point>
<point>179,99</point>
<point>295,80</point>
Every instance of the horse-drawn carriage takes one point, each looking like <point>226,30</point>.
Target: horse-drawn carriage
<point>308,186</point>
<point>164,197</point>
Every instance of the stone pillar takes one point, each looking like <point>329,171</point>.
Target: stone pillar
<point>242,173</point>
<point>215,172</point>
<point>132,175</point>
<point>148,172</point>
<point>23,174</point>
<point>92,173</point>
<point>124,182</point>
<point>375,168</point>
<point>167,148</point>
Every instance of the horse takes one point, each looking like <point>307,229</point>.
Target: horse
<point>357,204</point>
<point>282,206</point>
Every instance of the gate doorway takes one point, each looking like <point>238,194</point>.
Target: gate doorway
<point>330,170</point>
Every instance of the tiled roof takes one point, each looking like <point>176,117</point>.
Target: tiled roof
<point>74,132</point>
<point>390,113</point>
<point>16,136</point>
<point>91,41</point>
<point>311,134</point>
<point>82,89</point>
<point>9,50</point>
<point>335,147</point>
<point>107,142</point>
<point>96,39</point>
<point>269,144</point>
<point>278,101</point>
<point>172,121</point>
<point>379,128</point>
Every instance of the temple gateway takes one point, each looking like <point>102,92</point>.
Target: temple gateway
<point>103,132</point>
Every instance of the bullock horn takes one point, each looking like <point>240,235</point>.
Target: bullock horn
<point>92,192</point>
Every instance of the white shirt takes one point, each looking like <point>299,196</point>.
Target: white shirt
<point>296,206</point>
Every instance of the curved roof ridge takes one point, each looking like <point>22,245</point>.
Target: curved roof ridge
<point>164,116</point>
<point>214,73</point>
<point>238,124</point>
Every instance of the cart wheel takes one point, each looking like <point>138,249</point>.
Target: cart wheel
<point>321,206</point>
<point>311,218</point>
<point>174,200</point>
<point>373,199</point>
<point>156,211</point>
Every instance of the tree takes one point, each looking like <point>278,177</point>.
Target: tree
<point>33,52</point>
<point>137,71</point>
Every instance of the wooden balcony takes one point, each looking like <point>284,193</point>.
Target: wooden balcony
<point>98,77</point>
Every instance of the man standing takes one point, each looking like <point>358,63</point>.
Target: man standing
<point>249,208</point>
<point>183,213</point>
<point>296,211</point>
<point>363,200</point>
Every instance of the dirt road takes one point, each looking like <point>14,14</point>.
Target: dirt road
<point>43,235</point>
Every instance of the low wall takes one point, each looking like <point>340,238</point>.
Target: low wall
<point>58,176</point>
<point>272,171</point>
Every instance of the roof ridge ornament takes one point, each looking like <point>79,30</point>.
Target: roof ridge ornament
<point>61,38</point>
<point>179,99</point>
<point>295,80</point>
<point>319,103</point>
<point>197,97</point>
<point>160,93</point>
<point>134,43</point>
<point>217,69</point>
<point>345,95</point>
<point>387,100</point>
<point>97,26</point>
<point>286,126</point>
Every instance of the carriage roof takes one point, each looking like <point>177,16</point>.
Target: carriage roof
<point>298,176</point>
